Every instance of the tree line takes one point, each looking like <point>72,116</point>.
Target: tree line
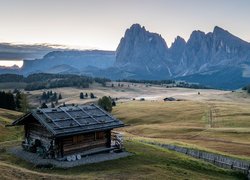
<point>172,83</point>
<point>155,82</point>
<point>85,96</point>
<point>14,101</point>
<point>45,81</point>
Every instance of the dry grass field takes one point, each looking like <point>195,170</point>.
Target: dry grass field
<point>220,126</point>
<point>215,120</point>
<point>148,162</point>
<point>129,91</point>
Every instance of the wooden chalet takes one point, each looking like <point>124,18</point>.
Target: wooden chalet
<point>68,132</point>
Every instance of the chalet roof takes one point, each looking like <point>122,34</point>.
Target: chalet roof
<point>169,99</point>
<point>70,120</point>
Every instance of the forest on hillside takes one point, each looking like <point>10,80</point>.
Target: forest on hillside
<point>46,81</point>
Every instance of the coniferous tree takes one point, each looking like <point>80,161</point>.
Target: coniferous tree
<point>18,100</point>
<point>60,96</point>
<point>92,96</point>
<point>44,105</point>
<point>81,95</point>
<point>44,96</point>
<point>105,103</point>
<point>52,105</point>
<point>24,103</point>
<point>7,100</point>
<point>54,97</point>
<point>48,95</point>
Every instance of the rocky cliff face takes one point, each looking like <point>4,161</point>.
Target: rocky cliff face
<point>142,54</point>
<point>214,50</point>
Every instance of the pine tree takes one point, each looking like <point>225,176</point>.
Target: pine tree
<point>54,97</point>
<point>81,95</point>
<point>86,95</point>
<point>44,96</point>
<point>92,96</point>
<point>24,103</point>
<point>52,105</point>
<point>60,96</point>
<point>18,100</point>
<point>48,95</point>
<point>44,105</point>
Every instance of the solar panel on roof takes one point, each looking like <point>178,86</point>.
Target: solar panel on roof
<point>75,119</point>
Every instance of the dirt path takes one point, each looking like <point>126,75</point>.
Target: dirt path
<point>211,119</point>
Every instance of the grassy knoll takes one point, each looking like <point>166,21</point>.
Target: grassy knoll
<point>220,126</point>
<point>8,134</point>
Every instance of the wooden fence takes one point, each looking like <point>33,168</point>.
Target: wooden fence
<point>216,159</point>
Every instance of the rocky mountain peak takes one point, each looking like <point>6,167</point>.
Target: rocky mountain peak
<point>196,36</point>
<point>219,30</point>
<point>141,50</point>
<point>178,42</point>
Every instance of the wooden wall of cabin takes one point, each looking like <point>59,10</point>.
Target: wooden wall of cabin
<point>35,131</point>
<point>82,142</point>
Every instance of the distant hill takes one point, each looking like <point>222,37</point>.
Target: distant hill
<point>78,61</point>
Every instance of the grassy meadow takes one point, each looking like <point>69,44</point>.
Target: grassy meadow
<point>216,121</point>
<point>219,126</point>
<point>147,162</point>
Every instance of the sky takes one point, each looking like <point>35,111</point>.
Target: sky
<point>100,24</point>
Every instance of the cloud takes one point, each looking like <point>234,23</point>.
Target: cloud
<point>10,51</point>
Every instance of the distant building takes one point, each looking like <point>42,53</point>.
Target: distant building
<point>69,132</point>
<point>169,99</point>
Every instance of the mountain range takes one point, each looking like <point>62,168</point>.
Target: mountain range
<point>217,59</point>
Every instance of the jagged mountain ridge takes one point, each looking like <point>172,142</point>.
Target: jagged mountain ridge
<point>202,53</point>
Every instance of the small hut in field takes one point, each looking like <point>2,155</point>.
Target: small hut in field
<point>169,99</point>
<point>69,132</point>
